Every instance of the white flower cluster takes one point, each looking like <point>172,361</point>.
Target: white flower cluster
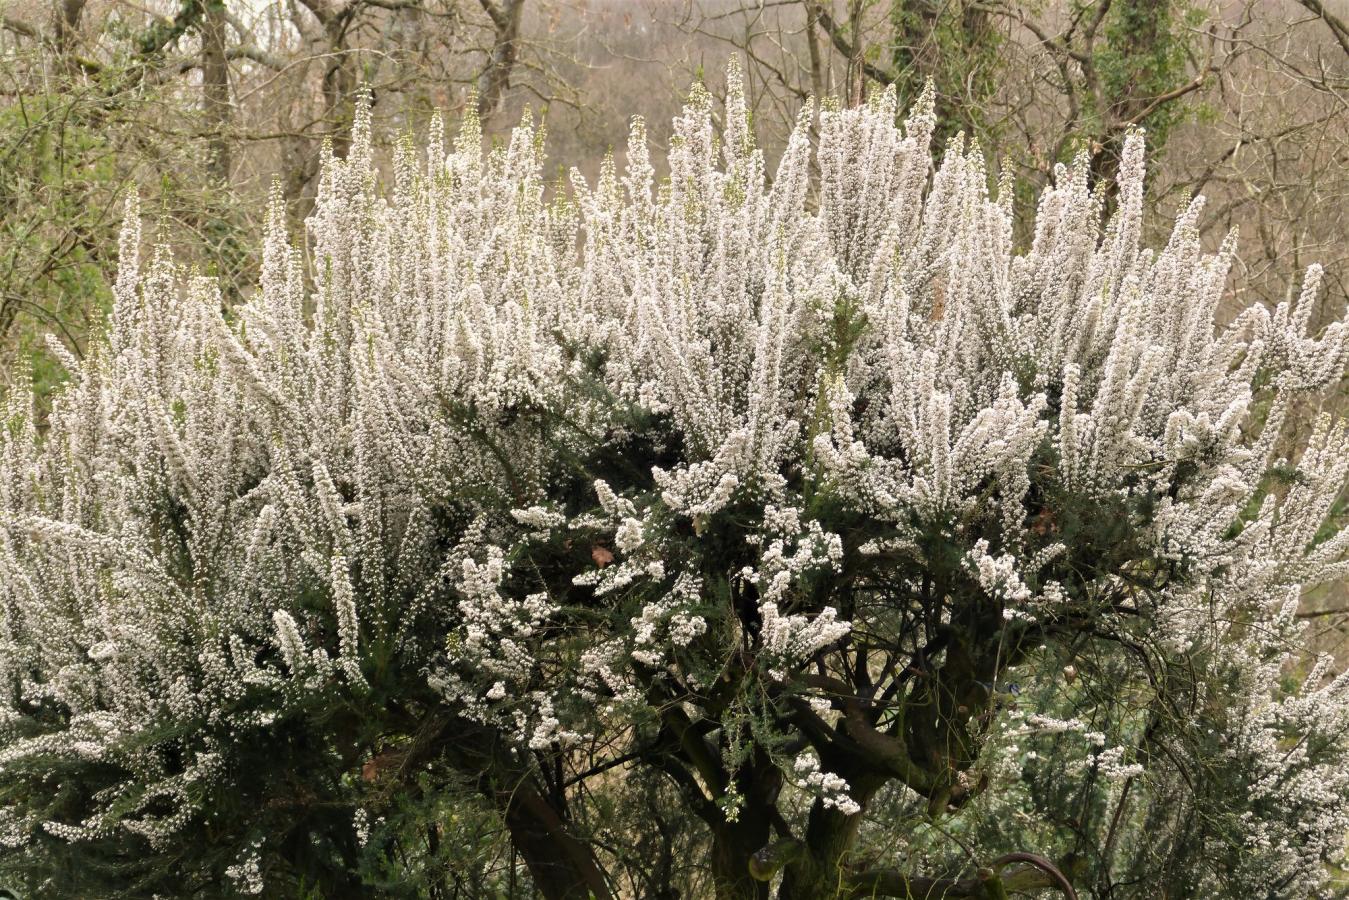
<point>1296,818</point>
<point>642,560</point>
<point>493,644</point>
<point>246,872</point>
<point>831,790</point>
<point>790,640</point>
<point>354,461</point>
<point>672,614</point>
<point>1000,579</point>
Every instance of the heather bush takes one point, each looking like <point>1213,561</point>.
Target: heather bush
<point>701,536</point>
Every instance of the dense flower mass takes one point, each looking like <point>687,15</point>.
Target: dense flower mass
<point>876,543</point>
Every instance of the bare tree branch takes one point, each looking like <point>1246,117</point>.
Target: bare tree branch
<point>1336,25</point>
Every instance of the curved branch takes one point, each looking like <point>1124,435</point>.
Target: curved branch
<point>1337,26</point>
<point>875,748</point>
<point>1037,874</point>
<point>1057,878</point>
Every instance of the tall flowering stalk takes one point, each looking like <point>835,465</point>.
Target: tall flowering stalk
<point>853,524</point>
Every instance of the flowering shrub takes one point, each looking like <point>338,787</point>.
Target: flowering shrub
<point>808,533</point>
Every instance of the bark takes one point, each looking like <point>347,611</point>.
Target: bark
<point>496,77</point>
<point>561,866</point>
<point>813,45</point>
<point>736,844</point>
<point>819,867</point>
<point>66,15</point>
<point>734,847</point>
<point>339,82</point>
<point>215,89</point>
<point>1135,99</point>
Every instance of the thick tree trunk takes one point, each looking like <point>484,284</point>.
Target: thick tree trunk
<point>506,16</point>
<point>736,844</point>
<point>215,89</point>
<point>818,869</point>
<point>1149,23</point>
<point>66,15</point>
<point>733,849</point>
<point>562,867</point>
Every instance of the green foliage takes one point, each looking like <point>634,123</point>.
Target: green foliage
<point>1143,55</point>
<point>956,45</point>
<point>70,151</point>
